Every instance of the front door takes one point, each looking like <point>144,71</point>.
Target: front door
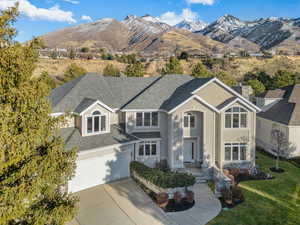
<point>189,146</point>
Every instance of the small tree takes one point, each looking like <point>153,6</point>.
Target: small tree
<point>111,70</point>
<point>85,50</point>
<point>135,70</point>
<point>226,78</point>
<point>184,56</point>
<point>280,140</point>
<point>72,54</point>
<point>257,86</point>
<point>199,70</point>
<point>73,71</point>
<point>284,78</point>
<point>172,67</point>
<point>54,55</point>
<point>49,81</point>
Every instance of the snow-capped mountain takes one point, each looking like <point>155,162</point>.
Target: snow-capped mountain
<point>192,26</point>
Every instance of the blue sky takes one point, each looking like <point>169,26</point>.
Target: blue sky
<point>42,16</point>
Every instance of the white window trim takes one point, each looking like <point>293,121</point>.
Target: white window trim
<point>234,144</point>
<point>144,150</point>
<point>143,120</point>
<point>189,120</point>
<point>240,120</point>
<point>92,116</point>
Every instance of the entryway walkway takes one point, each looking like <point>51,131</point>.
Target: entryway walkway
<point>124,203</point>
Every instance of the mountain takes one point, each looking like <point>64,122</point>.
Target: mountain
<point>192,26</point>
<point>268,33</point>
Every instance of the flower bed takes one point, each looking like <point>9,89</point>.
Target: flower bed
<point>162,179</point>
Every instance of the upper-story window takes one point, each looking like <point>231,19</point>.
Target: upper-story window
<point>236,117</point>
<point>189,120</point>
<point>96,123</point>
<point>147,119</point>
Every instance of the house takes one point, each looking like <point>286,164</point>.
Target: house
<point>195,122</point>
<point>280,111</point>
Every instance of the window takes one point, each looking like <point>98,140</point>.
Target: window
<point>235,151</point>
<point>146,119</point>
<point>236,117</point>
<point>189,120</point>
<point>96,123</point>
<point>148,148</point>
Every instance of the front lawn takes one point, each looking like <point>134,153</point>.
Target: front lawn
<point>268,202</point>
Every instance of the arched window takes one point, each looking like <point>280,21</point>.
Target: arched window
<point>189,120</point>
<point>96,123</point>
<point>236,117</point>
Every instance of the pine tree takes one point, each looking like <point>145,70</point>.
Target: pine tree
<point>173,67</point>
<point>34,166</point>
<point>48,80</point>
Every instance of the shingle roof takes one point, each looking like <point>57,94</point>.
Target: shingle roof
<point>287,110</point>
<point>85,103</point>
<point>160,92</point>
<point>73,138</point>
<point>277,93</point>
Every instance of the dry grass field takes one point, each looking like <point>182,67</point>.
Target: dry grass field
<point>236,67</point>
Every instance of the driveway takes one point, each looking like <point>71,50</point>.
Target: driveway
<point>124,203</point>
<point>119,203</point>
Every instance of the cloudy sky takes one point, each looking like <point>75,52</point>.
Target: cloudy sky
<point>42,16</point>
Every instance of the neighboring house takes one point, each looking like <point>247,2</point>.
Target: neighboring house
<point>178,118</point>
<point>280,111</point>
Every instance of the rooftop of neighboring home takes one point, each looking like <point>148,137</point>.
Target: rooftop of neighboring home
<point>287,109</point>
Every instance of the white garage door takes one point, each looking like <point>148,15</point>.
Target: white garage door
<point>100,170</point>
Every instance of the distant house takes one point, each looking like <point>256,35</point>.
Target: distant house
<point>186,121</point>
<point>280,110</point>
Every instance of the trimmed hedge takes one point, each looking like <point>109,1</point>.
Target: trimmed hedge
<point>295,161</point>
<point>160,178</point>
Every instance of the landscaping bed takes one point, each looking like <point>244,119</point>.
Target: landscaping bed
<point>267,202</point>
<point>167,189</point>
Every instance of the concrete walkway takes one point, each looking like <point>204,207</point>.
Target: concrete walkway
<point>206,207</point>
<point>124,203</point>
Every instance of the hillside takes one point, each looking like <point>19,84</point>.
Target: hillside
<point>236,67</point>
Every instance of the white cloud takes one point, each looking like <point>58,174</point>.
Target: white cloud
<point>203,2</point>
<point>87,18</point>
<point>72,2</point>
<point>52,14</point>
<point>172,18</point>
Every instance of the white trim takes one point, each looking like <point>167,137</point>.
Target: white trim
<point>95,103</point>
<point>235,101</point>
<point>143,110</point>
<point>195,140</point>
<point>198,98</point>
<point>107,123</point>
<point>189,120</point>
<point>236,144</point>
<point>86,152</point>
<point>230,90</point>
<point>57,114</point>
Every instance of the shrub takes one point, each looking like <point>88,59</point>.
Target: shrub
<point>162,165</point>
<point>295,161</point>
<point>160,178</point>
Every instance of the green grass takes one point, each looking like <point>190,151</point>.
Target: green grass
<point>268,202</point>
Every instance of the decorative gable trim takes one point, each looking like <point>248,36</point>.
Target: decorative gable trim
<point>95,103</point>
<point>199,99</point>
<point>235,101</point>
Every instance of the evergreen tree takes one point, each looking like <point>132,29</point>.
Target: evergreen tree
<point>173,67</point>
<point>135,70</point>
<point>73,71</point>
<point>199,70</point>
<point>34,166</point>
<point>72,54</point>
<point>184,56</point>
<point>257,86</point>
<point>111,70</point>
<point>284,78</point>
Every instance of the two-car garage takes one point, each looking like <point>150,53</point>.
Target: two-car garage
<point>101,166</point>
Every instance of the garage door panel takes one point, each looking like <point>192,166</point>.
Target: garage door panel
<point>100,170</point>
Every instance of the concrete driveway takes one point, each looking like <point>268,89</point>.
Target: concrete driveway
<point>119,203</point>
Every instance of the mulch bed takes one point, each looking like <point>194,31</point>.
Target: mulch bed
<point>230,206</point>
<point>175,207</point>
<point>259,176</point>
<point>279,170</point>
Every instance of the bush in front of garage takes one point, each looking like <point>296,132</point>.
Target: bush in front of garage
<point>160,178</point>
